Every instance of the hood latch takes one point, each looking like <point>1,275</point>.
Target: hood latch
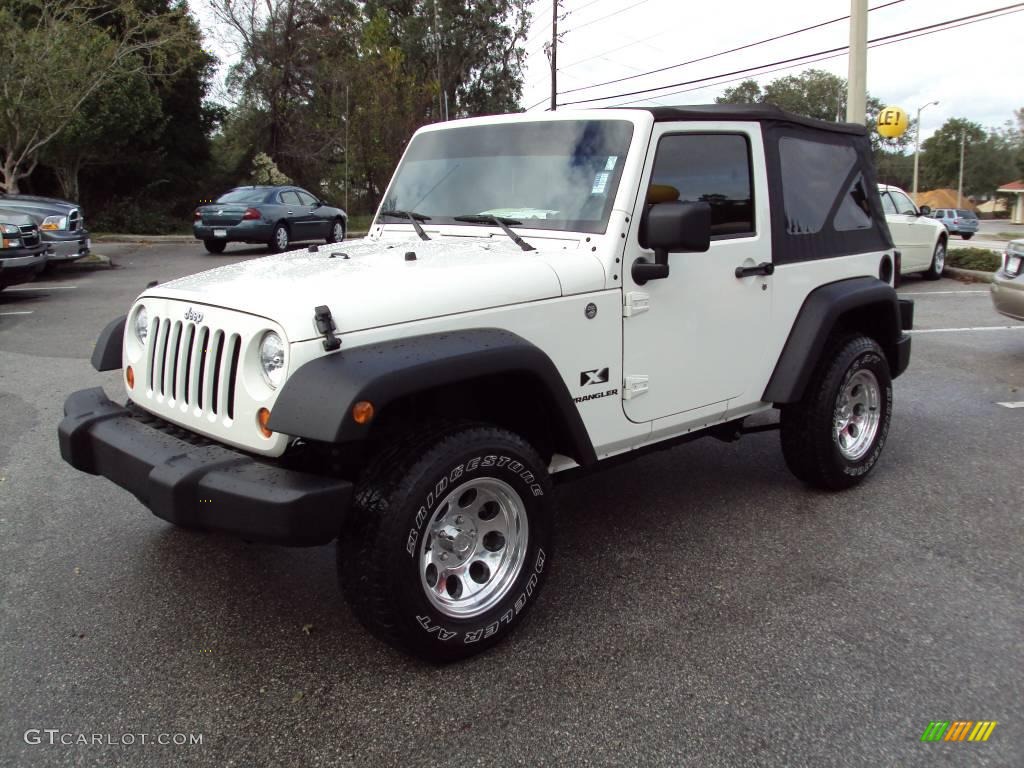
<point>325,325</point>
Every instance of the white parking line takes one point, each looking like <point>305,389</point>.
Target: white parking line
<point>978,328</point>
<point>1018,404</point>
<point>42,288</point>
<point>5,314</point>
<point>939,293</point>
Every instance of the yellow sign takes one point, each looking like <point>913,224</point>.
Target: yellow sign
<point>892,122</point>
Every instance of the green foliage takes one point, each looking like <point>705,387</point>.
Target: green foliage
<point>138,215</point>
<point>973,258</point>
<point>988,157</point>
<point>265,171</point>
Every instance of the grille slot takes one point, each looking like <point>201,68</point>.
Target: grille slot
<point>193,365</point>
<point>29,235</point>
<point>73,221</point>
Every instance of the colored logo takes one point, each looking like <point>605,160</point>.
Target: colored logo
<point>958,730</point>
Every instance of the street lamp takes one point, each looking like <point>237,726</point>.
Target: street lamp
<point>917,143</point>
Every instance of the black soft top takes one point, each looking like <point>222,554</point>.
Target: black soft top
<point>751,112</point>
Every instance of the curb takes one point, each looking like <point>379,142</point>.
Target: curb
<point>183,239</point>
<point>974,275</point>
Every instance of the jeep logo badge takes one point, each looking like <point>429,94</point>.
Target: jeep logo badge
<point>195,317</point>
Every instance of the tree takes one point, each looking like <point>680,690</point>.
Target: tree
<point>988,157</point>
<point>265,171</point>
<point>54,55</point>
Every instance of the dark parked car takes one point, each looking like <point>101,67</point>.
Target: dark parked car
<point>61,224</point>
<point>22,251</point>
<point>277,216</point>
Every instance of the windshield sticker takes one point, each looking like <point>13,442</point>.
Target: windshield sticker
<point>600,182</point>
<point>612,160</point>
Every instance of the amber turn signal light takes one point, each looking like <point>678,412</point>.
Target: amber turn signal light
<point>263,418</point>
<point>129,376</point>
<point>362,412</point>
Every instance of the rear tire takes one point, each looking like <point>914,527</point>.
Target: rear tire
<point>280,240</point>
<point>834,436</point>
<point>446,545</point>
<point>967,235</point>
<point>934,271</point>
<point>215,246</point>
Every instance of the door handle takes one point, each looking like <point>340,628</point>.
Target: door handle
<point>764,268</point>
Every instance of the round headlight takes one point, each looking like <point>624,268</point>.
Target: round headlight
<point>141,325</point>
<point>272,359</point>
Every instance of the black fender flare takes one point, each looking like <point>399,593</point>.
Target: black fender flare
<point>819,315</point>
<point>106,355</point>
<point>316,400</point>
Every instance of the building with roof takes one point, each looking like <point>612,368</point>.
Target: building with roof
<point>1015,188</point>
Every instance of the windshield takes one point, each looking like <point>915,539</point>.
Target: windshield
<point>547,175</point>
<point>244,196</point>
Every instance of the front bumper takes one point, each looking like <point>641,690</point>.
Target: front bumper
<point>21,265</point>
<point>243,232</point>
<point>67,246</point>
<point>204,486</point>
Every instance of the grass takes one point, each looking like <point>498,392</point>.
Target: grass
<point>981,259</point>
<point>360,223</point>
<point>1009,235</point>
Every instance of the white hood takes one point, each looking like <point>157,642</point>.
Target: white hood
<point>377,286</point>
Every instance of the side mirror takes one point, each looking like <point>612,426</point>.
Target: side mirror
<point>924,210</point>
<point>671,227</point>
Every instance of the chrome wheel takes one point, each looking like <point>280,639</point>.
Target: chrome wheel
<point>281,238</point>
<point>338,232</point>
<point>939,260</point>
<point>474,548</point>
<point>857,415</point>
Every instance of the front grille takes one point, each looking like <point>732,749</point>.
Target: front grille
<point>74,221</point>
<point>29,235</point>
<point>193,365</point>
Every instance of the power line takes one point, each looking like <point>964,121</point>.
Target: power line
<point>608,16</point>
<point>731,50</point>
<point>819,59</point>
<point>796,58</point>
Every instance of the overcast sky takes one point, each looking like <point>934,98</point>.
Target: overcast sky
<point>973,70</point>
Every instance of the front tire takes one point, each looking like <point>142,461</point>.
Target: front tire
<point>834,436</point>
<point>449,541</point>
<point>337,233</point>
<point>280,239</point>
<point>934,271</point>
<point>215,246</point>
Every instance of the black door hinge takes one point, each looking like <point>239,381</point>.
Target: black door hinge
<point>325,325</point>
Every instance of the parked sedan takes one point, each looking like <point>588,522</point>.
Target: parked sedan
<point>61,224</point>
<point>1008,283</point>
<point>920,240</point>
<point>22,252</point>
<point>277,216</point>
<point>958,221</point>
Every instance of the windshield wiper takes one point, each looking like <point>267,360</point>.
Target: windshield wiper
<point>499,221</point>
<point>413,217</point>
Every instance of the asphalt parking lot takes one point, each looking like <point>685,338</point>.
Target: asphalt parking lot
<point>704,607</point>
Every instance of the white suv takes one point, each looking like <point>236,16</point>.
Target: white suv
<point>920,240</point>
<point>516,313</point>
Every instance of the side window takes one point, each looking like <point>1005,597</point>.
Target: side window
<point>903,204</point>
<point>288,197</point>
<point>888,206</point>
<point>711,168</point>
<point>306,198</point>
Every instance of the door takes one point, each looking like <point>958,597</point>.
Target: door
<point>298,219</point>
<point>912,238</point>
<point>699,334</point>
<point>318,226</point>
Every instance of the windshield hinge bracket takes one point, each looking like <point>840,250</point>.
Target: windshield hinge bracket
<point>634,386</point>
<point>635,303</point>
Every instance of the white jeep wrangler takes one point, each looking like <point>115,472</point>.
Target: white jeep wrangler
<point>536,294</point>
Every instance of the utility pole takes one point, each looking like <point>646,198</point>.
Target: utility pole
<point>917,144</point>
<point>960,186</point>
<point>554,54</point>
<point>442,113</point>
<point>346,148</point>
<point>856,100</point>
